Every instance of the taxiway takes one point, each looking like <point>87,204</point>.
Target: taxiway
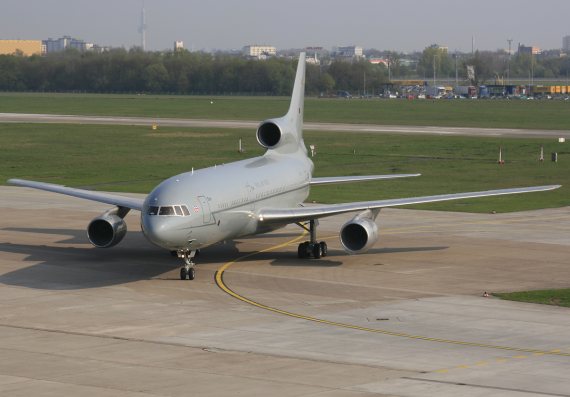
<point>75,320</point>
<point>329,127</point>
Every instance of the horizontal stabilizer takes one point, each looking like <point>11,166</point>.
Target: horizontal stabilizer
<point>327,180</point>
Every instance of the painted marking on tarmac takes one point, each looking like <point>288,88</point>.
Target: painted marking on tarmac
<point>219,279</point>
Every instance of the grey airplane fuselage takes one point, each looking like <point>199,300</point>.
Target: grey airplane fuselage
<point>223,200</point>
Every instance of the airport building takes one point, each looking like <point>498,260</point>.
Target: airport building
<point>259,51</point>
<point>25,47</point>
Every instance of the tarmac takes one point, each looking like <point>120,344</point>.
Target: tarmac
<point>406,319</point>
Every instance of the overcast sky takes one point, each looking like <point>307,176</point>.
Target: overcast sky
<point>404,25</point>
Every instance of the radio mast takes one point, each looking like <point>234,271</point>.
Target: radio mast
<point>142,28</point>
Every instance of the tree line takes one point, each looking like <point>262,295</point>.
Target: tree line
<point>184,72</point>
<point>490,66</point>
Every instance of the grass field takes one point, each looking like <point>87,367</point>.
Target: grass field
<point>459,113</point>
<point>135,159</point>
<point>559,297</point>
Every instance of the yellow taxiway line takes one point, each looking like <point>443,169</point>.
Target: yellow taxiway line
<point>219,278</point>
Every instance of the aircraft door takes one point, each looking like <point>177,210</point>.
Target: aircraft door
<point>206,213</point>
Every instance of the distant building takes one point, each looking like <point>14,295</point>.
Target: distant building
<point>553,54</point>
<point>315,54</point>
<point>65,42</point>
<point>25,47</point>
<point>438,47</point>
<point>259,51</point>
<point>349,52</point>
<point>566,43</point>
<point>178,45</point>
<point>379,61</point>
<point>529,50</point>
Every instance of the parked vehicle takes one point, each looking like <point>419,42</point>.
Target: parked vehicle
<point>344,94</point>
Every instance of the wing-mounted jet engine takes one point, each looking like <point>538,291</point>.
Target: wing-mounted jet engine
<point>360,233</point>
<point>108,229</point>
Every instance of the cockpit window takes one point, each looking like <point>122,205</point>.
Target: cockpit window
<point>166,211</point>
<point>169,210</point>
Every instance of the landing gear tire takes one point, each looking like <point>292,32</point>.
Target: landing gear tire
<point>317,251</point>
<point>302,251</point>
<point>324,249</point>
<point>187,271</point>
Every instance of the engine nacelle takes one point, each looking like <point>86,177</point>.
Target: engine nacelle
<point>269,134</point>
<point>359,234</point>
<point>106,230</point>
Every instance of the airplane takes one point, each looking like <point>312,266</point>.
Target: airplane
<point>197,209</point>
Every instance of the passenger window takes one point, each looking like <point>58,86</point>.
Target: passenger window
<point>185,210</point>
<point>178,210</point>
<point>166,211</point>
<point>153,210</point>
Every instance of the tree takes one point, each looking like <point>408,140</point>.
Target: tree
<point>156,77</point>
<point>435,61</point>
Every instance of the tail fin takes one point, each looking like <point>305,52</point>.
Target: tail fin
<point>285,134</point>
<point>296,108</point>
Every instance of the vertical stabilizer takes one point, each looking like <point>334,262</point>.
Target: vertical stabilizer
<point>285,134</point>
<point>296,108</point>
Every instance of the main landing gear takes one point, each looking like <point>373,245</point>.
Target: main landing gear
<point>312,248</point>
<point>187,271</point>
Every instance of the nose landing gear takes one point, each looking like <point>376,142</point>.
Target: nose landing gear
<point>187,271</point>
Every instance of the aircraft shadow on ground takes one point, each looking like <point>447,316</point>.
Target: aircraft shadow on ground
<point>388,250</point>
<point>285,259</point>
<point>134,259</point>
<point>75,236</point>
<point>82,267</point>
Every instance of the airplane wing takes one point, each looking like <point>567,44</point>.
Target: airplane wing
<point>120,201</point>
<point>345,179</point>
<point>291,215</point>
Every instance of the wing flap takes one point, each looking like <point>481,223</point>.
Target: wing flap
<point>120,201</point>
<point>291,215</point>
<point>362,178</point>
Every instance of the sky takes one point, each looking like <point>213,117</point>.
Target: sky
<point>404,25</point>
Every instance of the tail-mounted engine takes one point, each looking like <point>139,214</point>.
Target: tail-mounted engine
<point>108,229</point>
<point>360,233</point>
<point>279,134</point>
<point>269,134</point>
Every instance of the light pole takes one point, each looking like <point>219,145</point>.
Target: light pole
<point>456,74</point>
<point>434,55</point>
<point>510,41</point>
<point>531,71</point>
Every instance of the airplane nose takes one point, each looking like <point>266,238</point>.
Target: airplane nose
<point>163,232</point>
